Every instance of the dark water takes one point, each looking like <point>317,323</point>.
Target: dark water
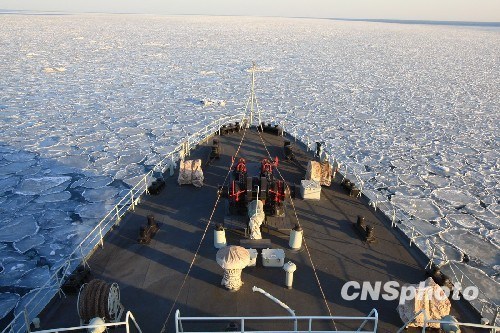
<point>425,22</point>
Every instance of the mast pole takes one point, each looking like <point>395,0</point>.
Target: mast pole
<point>252,94</point>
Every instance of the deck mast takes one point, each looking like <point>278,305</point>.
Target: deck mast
<point>253,99</point>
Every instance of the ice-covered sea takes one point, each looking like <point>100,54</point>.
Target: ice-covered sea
<point>89,102</point>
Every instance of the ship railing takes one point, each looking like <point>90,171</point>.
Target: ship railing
<point>95,238</point>
<point>126,323</point>
<point>486,307</point>
<point>307,322</point>
<point>427,321</point>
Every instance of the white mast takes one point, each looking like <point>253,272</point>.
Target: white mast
<point>253,98</point>
<point>252,93</point>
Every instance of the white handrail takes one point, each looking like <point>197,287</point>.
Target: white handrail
<point>373,312</point>
<point>75,328</point>
<point>373,316</point>
<point>275,300</point>
<point>94,238</point>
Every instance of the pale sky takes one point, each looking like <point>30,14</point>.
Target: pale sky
<point>440,10</point>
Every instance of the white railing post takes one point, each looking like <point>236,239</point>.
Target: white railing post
<point>177,315</point>
<point>84,259</point>
<point>132,199</point>
<point>117,220</point>
<point>369,317</point>
<point>431,257</point>
<point>146,183</point>
<point>100,234</point>
<point>26,319</point>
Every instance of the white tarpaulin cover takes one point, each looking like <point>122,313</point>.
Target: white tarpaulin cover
<point>232,259</point>
<point>320,172</point>
<point>430,297</point>
<point>190,172</point>
<point>257,216</point>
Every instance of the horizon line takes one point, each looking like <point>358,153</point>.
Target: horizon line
<point>375,20</point>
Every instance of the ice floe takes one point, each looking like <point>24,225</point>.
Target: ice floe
<point>454,197</point>
<point>29,243</point>
<point>36,186</point>
<point>18,228</point>
<point>424,209</point>
<point>8,301</point>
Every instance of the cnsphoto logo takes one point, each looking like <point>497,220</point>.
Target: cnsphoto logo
<point>391,291</point>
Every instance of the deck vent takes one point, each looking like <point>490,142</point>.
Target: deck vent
<point>219,236</point>
<point>296,235</point>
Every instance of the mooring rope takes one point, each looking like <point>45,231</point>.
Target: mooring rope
<point>233,158</point>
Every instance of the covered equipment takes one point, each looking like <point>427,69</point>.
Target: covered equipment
<point>190,172</point>
<point>233,259</point>
<point>430,297</point>
<point>322,172</point>
<point>257,216</point>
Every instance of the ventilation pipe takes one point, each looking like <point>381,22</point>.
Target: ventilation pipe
<point>289,268</point>
<point>219,236</point>
<point>296,235</point>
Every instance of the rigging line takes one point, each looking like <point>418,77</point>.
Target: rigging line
<point>303,237</point>
<point>204,234</point>
<point>452,263</point>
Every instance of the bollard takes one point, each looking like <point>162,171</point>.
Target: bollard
<point>361,221</point>
<point>151,220</point>
<point>289,268</point>
<point>219,236</point>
